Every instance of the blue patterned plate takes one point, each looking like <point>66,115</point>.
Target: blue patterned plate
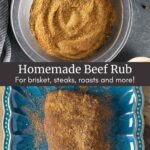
<point>21,102</point>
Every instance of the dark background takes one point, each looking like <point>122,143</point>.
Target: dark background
<point>138,43</point>
<point>139,71</point>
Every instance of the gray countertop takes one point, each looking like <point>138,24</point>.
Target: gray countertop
<point>138,43</point>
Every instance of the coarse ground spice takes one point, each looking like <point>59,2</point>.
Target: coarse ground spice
<point>36,126</point>
<point>76,121</point>
<point>39,129</point>
<point>71,29</point>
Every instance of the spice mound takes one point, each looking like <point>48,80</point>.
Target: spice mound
<point>75,121</point>
<point>71,29</point>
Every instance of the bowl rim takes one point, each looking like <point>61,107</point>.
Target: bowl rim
<point>108,55</point>
<point>138,114</point>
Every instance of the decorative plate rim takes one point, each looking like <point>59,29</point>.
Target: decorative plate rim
<point>138,110</point>
<point>6,117</point>
<point>139,118</point>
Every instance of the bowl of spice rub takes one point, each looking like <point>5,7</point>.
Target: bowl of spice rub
<point>71,30</point>
<point>73,118</point>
